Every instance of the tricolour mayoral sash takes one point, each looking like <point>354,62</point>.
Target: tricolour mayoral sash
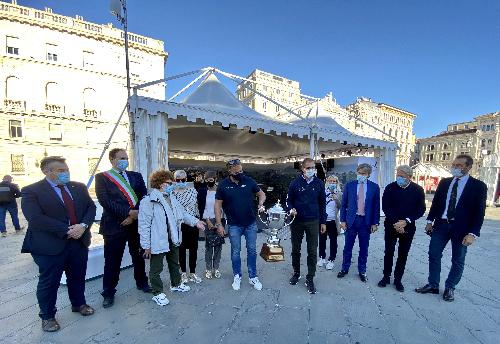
<point>123,185</point>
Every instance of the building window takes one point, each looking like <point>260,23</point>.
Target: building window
<point>455,127</point>
<point>490,141</point>
<point>92,135</point>
<point>55,132</point>
<point>51,52</point>
<point>15,129</point>
<point>88,59</point>
<point>13,90</point>
<point>278,91</point>
<point>277,108</point>
<point>264,106</point>
<point>17,162</point>
<point>264,88</point>
<point>12,45</point>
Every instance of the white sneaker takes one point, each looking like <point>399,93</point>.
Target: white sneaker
<point>161,299</point>
<point>181,287</point>
<point>195,278</point>
<point>256,283</point>
<point>236,282</point>
<point>184,278</point>
<point>208,274</point>
<point>329,265</point>
<point>321,262</point>
<point>217,274</point>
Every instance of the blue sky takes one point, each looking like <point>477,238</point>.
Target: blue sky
<point>439,59</point>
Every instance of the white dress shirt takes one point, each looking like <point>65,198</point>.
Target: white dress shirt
<point>460,188</point>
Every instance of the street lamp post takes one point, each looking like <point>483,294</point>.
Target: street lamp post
<point>119,9</point>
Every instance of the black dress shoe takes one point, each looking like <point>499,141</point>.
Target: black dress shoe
<point>399,286</point>
<point>295,278</point>
<point>146,289</point>
<point>427,289</point>
<point>50,325</point>
<point>342,274</point>
<point>384,281</point>
<point>448,295</point>
<point>108,301</point>
<point>363,278</point>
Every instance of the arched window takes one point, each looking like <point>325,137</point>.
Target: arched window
<point>89,102</point>
<point>13,88</point>
<point>52,93</point>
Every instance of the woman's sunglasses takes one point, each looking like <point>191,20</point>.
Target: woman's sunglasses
<point>180,180</point>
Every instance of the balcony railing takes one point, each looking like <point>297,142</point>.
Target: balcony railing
<point>90,113</point>
<point>12,104</point>
<point>54,108</point>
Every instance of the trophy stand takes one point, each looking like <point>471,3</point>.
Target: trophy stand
<point>271,250</point>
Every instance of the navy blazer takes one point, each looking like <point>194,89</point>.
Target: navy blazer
<point>115,206</point>
<point>48,221</point>
<point>349,204</point>
<point>469,214</point>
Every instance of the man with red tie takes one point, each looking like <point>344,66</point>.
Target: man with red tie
<point>59,214</point>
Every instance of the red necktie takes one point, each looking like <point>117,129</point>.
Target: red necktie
<point>68,204</point>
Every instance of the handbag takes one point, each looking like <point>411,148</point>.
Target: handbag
<point>212,238</point>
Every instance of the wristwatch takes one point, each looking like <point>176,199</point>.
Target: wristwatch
<point>218,225</point>
<point>84,225</point>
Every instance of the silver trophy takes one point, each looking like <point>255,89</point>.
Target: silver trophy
<point>276,224</point>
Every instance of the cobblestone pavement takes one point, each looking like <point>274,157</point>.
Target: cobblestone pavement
<point>343,311</point>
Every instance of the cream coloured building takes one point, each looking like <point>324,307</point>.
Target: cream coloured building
<point>363,117</point>
<point>477,138</point>
<point>63,87</point>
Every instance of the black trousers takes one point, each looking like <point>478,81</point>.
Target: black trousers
<point>190,237</point>
<point>331,232</point>
<point>405,240</point>
<point>297,230</point>
<point>114,246</point>
<point>73,261</point>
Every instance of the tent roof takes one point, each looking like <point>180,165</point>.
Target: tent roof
<point>214,104</point>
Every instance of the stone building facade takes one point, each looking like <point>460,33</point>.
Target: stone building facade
<point>63,87</point>
<point>478,138</point>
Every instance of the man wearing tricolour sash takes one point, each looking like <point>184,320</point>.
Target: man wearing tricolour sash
<point>119,192</point>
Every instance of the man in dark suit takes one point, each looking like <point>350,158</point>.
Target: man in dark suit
<point>119,193</point>
<point>59,214</point>
<point>456,214</point>
<point>359,216</point>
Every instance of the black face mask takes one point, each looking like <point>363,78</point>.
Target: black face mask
<point>211,184</point>
<point>238,176</point>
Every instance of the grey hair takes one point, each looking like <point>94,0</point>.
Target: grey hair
<point>339,184</point>
<point>366,167</point>
<point>405,169</point>
<point>180,174</point>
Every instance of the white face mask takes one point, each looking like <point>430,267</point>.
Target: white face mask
<point>310,173</point>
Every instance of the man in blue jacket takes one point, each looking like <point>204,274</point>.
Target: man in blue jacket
<point>306,199</point>
<point>359,217</point>
<point>59,213</point>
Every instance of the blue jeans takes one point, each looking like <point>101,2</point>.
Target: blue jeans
<point>442,233</point>
<point>250,233</point>
<point>12,209</point>
<point>362,231</point>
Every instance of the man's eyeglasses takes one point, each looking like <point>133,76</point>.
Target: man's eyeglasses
<point>233,162</point>
<point>180,180</point>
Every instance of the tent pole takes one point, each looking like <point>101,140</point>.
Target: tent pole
<point>190,84</point>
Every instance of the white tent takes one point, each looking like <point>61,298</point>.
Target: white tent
<point>211,124</point>
<point>489,173</point>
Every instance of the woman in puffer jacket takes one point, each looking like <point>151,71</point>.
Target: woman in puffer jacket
<point>160,219</point>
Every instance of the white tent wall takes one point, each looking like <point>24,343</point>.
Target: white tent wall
<point>489,173</point>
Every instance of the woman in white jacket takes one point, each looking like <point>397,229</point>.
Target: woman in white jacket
<point>160,219</point>
<point>333,195</point>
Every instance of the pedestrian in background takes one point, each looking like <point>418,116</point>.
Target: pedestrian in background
<point>8,194</point>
